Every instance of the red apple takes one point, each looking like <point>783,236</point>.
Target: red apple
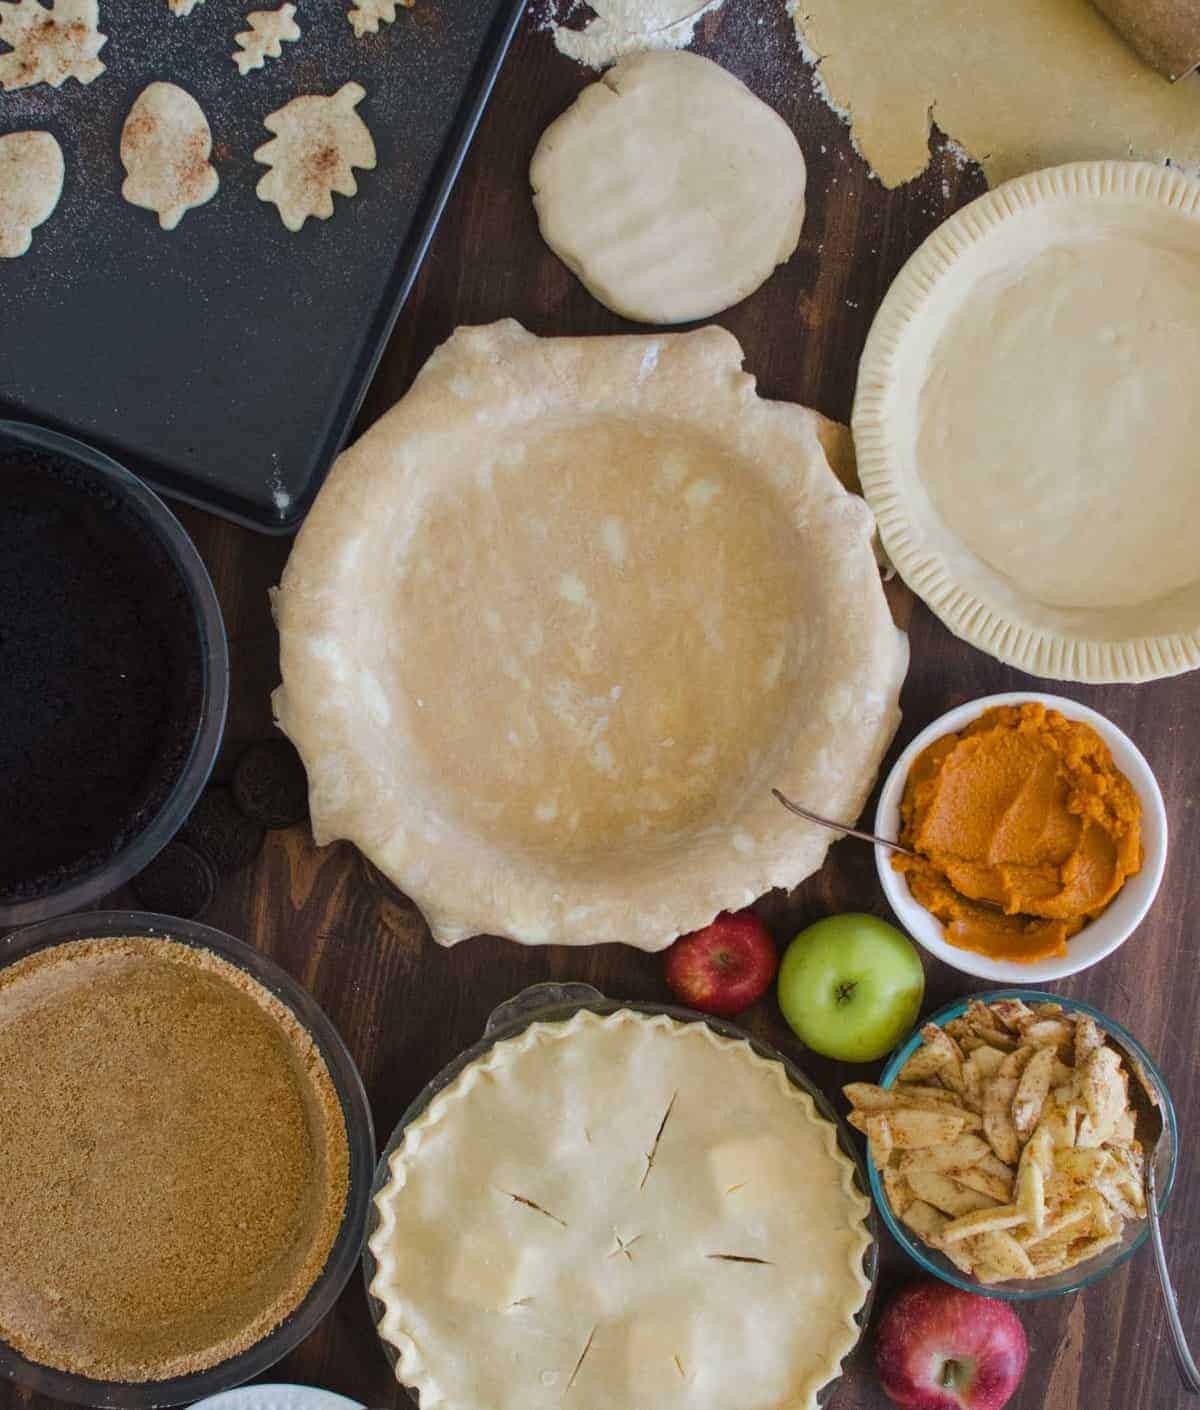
<point>723,968</point>
<point>940,1348</point>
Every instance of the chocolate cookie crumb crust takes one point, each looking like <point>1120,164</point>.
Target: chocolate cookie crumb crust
<point>175,1163</point>
<point>101,661</point>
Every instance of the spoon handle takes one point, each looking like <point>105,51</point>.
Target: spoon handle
<point>840,827</point>
<point>1188,1373</point>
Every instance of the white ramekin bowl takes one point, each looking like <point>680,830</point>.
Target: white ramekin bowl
<point>1099,937</point>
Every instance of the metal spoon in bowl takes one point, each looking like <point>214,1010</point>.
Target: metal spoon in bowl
<point>841,827</point>
<point>1150,1127</point>
<point>867,837</point>
<point>1184,1361</point>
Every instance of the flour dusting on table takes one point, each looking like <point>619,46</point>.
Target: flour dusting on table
<point>1022,85</point>
<point>621,27</point>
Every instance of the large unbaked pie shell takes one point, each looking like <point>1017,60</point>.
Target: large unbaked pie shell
<point>1026,422</point>
<point>615,1212</point>
<point>561,619</point>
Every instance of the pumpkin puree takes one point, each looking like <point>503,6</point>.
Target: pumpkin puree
<point>1025,809</point>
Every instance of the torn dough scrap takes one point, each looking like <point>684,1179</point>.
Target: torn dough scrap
<point>31,182</point>
<point>366,15</point>
<point>165,146</point>
<point>50,44</point>
<point>183,7</point>
<point>318,139</point>
<point>1022,85</point>
<point>264,39</point>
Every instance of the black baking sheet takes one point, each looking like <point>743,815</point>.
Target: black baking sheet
<point>225,360</point>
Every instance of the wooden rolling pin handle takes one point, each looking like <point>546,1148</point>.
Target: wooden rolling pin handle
<point>1166,33</point>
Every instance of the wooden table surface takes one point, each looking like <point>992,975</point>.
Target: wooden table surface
<point>406,1007</point>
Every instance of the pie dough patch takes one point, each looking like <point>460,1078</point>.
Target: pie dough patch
<point>559,622</point>
<point>649,1285</point>
<point>660,1354</point>
<point>318,142</point>
<point>1020,85</point>
<point>485,1272</point>
<point>50,43</point>
<point>31,182</point>
<point>749,1172</point>
<point>669,188</point>
<point>165,146</point>
<point>1026,428</point>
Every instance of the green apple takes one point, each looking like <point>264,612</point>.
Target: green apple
<point>851,987</point>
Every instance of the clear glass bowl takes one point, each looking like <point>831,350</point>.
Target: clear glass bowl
<point>141,849</point>
<point>1136,1231</point>
<point>360,1133</point>
<point>556,1003</point>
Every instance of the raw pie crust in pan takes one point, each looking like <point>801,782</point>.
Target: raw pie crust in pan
<point>560,620</point>
<point>1026,422</point>
<point>627,1211</point>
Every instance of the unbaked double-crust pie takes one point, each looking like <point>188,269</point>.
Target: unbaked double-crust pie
<point>620,1212</point>
<point>559,621</point>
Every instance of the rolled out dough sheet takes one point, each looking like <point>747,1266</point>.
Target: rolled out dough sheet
<point>1020,84</point>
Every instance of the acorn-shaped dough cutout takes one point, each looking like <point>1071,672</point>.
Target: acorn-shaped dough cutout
<point>31,182</point>
<point>165,146</point>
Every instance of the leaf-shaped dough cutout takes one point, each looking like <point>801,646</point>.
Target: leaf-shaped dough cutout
<point>264,39</point>
<point>318,140</point>
<point>367,14</point>
<point>50,43</point>
<point>165,146</point>
<point>31,182</point>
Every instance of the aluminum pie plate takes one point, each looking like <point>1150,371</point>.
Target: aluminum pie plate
<point>278,1397</point>
<point>556,1003</point>
<point>1025,424</point>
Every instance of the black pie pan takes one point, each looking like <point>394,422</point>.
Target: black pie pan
<point>360,1135</point>
<point>211,664</point>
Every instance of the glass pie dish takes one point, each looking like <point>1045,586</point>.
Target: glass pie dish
<point>360,1138</point>
<point>1154,1090</point>
<point>572,1128</point>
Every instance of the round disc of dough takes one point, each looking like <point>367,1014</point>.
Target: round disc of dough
<point>669,188</point>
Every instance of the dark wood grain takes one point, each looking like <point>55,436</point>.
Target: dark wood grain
<point>406,1006</point>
